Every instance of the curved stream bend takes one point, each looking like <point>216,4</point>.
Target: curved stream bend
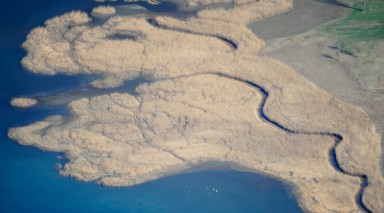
<point>332,152</point>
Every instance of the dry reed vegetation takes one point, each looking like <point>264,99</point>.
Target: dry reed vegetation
<point>245,13</point>
<point>121,140</point>
<point>208,108</point>
<point>23,102</point>
<point>103,11</point>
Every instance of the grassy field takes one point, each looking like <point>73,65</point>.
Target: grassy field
<point>360,31</point>
<point>360,25</point>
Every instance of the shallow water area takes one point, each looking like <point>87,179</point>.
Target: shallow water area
<point>63,98</point>
<point>29,179</point>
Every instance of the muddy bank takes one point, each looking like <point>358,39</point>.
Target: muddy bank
<point>304,15</point>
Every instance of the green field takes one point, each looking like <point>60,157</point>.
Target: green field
<point>360,25</point>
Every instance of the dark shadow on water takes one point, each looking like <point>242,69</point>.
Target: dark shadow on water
<point>229,42</point>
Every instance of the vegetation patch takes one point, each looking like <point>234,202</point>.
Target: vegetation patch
<point>359,26</point>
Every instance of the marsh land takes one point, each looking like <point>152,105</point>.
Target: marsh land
<point>288,89</point>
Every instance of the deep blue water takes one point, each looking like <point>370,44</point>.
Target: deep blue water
<point>29,181</point>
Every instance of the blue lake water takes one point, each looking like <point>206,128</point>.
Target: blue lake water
<point>29,181</point>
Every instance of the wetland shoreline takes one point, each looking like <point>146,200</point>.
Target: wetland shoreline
<point>146,134</point>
